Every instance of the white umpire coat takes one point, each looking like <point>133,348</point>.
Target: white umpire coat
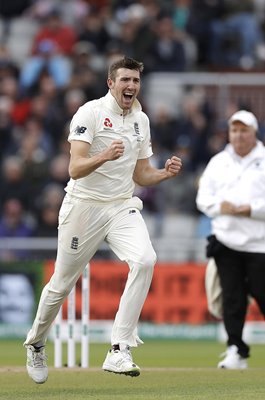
<point>239,180</point>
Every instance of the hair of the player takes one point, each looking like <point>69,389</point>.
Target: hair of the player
<point>125,62</point>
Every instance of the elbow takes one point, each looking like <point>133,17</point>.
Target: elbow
<point>73,173</point>
<point>136,181</point>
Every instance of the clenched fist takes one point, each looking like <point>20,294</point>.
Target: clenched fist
<point>115,150</point>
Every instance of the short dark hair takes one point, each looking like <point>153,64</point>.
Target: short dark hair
<point>124,62</point>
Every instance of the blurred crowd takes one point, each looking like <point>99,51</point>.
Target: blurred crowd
<point>73,44</point>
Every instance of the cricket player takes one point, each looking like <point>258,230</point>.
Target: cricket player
<point>110,151</point>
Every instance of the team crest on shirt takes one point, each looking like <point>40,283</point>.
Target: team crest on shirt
<point>137,132</point>
<point>74,243</point>
<point>79,130</point>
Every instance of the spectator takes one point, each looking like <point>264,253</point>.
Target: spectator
<point>63,145</point>
<point>8,67</point>
<point>194,126</point>
<point>73,99</point>
<point>167,53</point>
<point>20,105</point>
<point>47,60</point>
<point>235,37</point>
<point>217,141</point>
<point>14,224</point>
<point>164,130</point>
<point>13,184</point>
<point>181,12</point>
<point>71,11</point>
<point>34,129</point>
<point>56,32</point>
<point>10,10</point>
<point>48,205</point>
<point>35,149</point>
<point>136,32</point>
<point>48,222</point>
<point>6,124</point>
<point>48,106</point>
<point>201,15</point>
<point>85,70</point>
<point>51,194</point>
<point>180,16</point>
<point>93,31</point>
<point>51,50</point>
<point>58,169</point>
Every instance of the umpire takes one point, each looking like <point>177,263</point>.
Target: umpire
<point>232,193</point>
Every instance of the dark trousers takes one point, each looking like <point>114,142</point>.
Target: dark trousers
<point>241,274</point>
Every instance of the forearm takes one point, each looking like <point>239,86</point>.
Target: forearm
<point>146,175</point>
<point>150,176</point>
<point>82,166</point>
<point>229,208</point>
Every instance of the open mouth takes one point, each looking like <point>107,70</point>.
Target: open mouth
<point>127,96</point>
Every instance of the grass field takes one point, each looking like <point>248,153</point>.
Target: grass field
<point>170,370</point>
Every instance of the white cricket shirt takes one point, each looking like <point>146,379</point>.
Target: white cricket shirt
<point>239,180</point>
<point>99,122</point>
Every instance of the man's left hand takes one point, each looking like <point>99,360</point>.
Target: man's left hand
<point>173,166</point>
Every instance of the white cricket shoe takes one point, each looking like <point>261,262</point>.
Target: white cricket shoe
<point>120,362</point>
<point>232,359</point>
<point>36,364</point>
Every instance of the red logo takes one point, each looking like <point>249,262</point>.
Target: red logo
<point>108,123</point>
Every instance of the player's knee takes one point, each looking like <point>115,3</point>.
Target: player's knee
<point>148,260</point>
<point>59,291</point>
<point>58,295</point>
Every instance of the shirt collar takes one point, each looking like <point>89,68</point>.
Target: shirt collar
<point>114,106</point>
<point>256,152</point>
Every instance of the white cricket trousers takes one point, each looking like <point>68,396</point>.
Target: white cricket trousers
<point>83,225</point>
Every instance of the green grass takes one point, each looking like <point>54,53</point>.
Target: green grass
<point>183,370</point>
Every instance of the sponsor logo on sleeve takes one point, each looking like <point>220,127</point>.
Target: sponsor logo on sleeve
<point>79,130</point>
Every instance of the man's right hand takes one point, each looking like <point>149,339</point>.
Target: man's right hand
<point>232,209</point>
<point>228,208</point>
<point>115,150</point>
